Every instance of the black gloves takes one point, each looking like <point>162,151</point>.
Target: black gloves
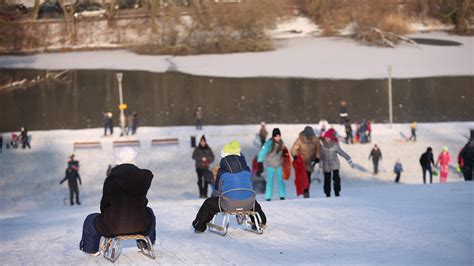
<point>260,168</point>
<point>314,162</point>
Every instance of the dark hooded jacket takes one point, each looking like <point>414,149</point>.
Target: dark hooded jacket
<point>426,159</point>
<point>72,177</point>
<point>467,154</point>
<point>124,204</point>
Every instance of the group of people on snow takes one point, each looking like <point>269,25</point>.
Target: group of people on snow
<point>273,158</point>
<point>131,123</point>
<point>17,140</point>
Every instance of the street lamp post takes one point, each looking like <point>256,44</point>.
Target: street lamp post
<point>390,108</point>
<point>122,106</point>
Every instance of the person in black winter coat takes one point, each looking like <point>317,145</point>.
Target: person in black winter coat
<point>376,155</point>
<point>426,162</point>
<point>467,154</point>
<point>72,177</point>
<point>123,208</point>
<point>24,138</point>
<point>204,157</point>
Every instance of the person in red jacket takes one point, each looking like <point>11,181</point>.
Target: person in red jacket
<point>444,159</point>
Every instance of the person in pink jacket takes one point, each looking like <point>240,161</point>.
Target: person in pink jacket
<point>443,161</point>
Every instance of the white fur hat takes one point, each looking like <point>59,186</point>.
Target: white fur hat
<point>125,155</point>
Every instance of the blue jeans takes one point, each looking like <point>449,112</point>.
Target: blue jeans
<point>91,238</point>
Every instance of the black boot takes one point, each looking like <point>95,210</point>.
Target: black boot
<point>306,194</point>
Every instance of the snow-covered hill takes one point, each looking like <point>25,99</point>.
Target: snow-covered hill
<point>374,221</point>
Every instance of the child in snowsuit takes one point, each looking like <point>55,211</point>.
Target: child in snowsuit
<point>123,208</point>
<point>72,177</point>
<point>329,151</point>
<point>232,185</point>
<point>444,159</point>
<point>398,169</point>
<point>272,153</point>
<point>204,157</point>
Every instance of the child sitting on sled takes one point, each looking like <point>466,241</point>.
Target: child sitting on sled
<point>232,174</point>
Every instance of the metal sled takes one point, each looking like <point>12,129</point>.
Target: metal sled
<point>111,248</point>
<point>248,220</point>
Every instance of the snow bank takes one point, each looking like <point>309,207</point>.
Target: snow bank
<point>328,57</point>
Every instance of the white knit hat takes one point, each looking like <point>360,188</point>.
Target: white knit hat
<point>125,155</point>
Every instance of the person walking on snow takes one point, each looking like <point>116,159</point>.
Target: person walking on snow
<point>25,142</point>
<point>263,133</point>
<point>348,129</point>
<point>376,155</point>
<point>272,154</point>
<point>72,176</point>
<point>443,161</point>
<point>198,115</point>
<point>233,179</point>
<point>467,155</point>
<point>413,131</point>
<point>426,162</point>
<point>343,114</point>
<point>123,207</point>
<point>108,123</point>
<point>203,156</point>
<point>307,145</point>
<point>398,169</point>
<point>330,162</point>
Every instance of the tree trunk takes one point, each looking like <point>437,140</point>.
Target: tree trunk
<point>69,19</point>
<point>152,9</point>
<point>35,10</point>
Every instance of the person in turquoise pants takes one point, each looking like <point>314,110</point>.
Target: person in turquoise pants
<point>272,154</point>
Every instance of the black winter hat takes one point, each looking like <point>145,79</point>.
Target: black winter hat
<point>308,131</point>
<point>276,132</point>
<point>203,138</point>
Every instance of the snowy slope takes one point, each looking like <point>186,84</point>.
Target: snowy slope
<point>429,225</point>
<point>321,57</point>
<point>374,222</point>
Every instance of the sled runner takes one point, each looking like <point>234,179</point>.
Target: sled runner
<point>243,210</point>
<point>111,248</point>
<point>248,220</point>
